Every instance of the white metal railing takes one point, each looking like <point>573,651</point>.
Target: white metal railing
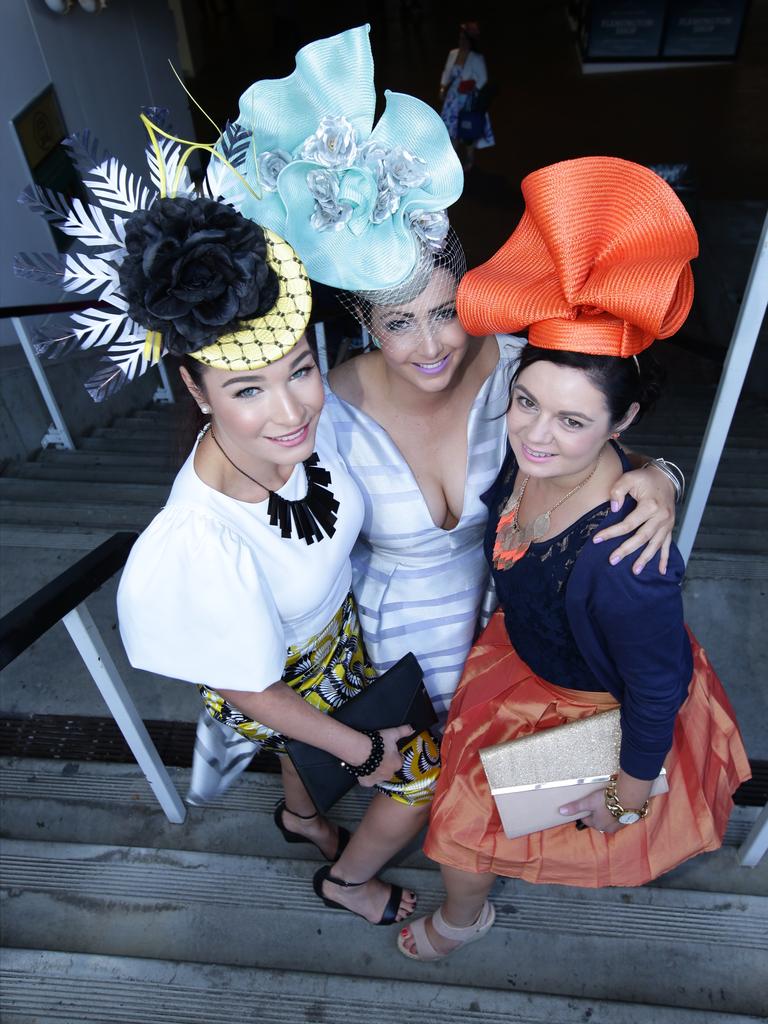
<point>92,649</point>
<point>64,600</point>
<point>743,341</point>
<point>57,435</point>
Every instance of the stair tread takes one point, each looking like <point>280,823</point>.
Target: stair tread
<point>86,801</point>
<point>75,491</point>
<point>44,985</point>
<point>109,891</point>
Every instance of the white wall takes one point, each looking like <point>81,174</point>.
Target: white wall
<point>104,67</point>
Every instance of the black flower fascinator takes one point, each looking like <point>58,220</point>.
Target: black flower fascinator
<point>194,270</point>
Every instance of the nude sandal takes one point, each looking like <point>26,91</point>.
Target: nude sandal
<point>424,948</point>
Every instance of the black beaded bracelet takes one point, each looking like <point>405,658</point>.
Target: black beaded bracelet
<point>374,759</point>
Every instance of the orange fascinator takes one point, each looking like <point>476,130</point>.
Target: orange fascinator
<point>598,264</point>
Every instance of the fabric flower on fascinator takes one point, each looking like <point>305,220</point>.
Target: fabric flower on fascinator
<point>360,202</point>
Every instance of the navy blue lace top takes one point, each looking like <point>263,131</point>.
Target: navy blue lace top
<point>581,623</point>
<point>532,591</point>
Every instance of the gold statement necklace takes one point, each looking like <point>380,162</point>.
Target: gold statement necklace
<point>512,539</point>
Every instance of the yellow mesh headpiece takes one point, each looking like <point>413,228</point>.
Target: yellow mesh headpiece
<point>267,338</point>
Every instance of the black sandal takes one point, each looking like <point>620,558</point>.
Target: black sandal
<point>295,837</point>
<point>390,911</point>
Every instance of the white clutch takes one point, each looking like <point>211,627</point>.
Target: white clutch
<point>532,776</point>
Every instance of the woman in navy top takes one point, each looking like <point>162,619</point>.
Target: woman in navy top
<point>574,636</point>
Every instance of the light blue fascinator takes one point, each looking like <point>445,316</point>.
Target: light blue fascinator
<point>361,204</point>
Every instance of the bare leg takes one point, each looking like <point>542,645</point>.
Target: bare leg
<point>466,894</point>
<point>316,828</point>
<point>386,828</point>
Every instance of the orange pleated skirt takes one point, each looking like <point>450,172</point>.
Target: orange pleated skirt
<point>500,698</point>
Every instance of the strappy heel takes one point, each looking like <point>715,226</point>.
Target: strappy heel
<point>424,950</point>
<point>296,837</point>
<point>390,911</point>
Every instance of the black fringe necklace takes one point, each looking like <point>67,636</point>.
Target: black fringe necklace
<point>310,515</point>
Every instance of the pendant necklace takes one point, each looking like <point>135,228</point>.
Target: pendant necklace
<point>310,515</point>
<point>512,539</point>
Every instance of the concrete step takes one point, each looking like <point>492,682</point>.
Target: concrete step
<point>147,459</point>
<point>740,519</point>
<point>720,539</point>
<point>724,496</point>
<point>106,473</point>
<point>113,804</point>
<point>52,537</point>
<point>216,908</point>
<point>42,515</point>
<point>146,433</point>
<point>78,492</point>
<point>158,412</point>
<point>730,565</point>
<point>139,445</point>
<point>47,987</point>
<point>149,419</point>
<point>675,450</point>
<point>682,436</point>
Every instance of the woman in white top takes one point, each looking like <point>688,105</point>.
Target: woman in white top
<point>465,74</point>
<point>266,624</point>
<point>241,584</point>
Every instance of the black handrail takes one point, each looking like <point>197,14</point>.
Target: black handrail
<point>28,621</point>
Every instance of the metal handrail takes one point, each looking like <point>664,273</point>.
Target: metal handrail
<point>27,622</point>
<point>63,600</point>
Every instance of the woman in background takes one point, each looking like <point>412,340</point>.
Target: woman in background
<point>465,74</point>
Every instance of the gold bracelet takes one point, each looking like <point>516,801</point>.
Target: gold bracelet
<point>624,815</point>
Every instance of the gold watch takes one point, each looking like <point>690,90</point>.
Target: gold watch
<point>624,815</point>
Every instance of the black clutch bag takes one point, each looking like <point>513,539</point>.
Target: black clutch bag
<point>397,697</point>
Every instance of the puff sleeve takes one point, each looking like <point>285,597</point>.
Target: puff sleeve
<point>193,604</point>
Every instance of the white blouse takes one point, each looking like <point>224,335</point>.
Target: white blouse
<point>212,593</point>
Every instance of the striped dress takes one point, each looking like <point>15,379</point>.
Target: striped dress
<point>419,587</point>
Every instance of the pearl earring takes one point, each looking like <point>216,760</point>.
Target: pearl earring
<point>205,410</point>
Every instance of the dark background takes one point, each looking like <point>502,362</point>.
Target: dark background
<point>546,109</point>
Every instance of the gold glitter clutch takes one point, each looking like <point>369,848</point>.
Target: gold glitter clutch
<point>532,776</point>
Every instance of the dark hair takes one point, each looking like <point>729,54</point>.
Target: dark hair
<point>621,381</point>
<point>472,31</point>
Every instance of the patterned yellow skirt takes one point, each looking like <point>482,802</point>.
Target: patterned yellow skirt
<point>327,671</point>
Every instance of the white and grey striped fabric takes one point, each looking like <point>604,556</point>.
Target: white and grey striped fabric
<point>418,587</point>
